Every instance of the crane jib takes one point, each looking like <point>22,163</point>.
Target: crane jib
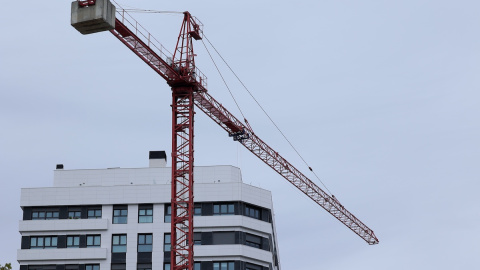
<point>157,57</point>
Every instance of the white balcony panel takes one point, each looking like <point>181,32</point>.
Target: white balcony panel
<point>229,222</point>
<point>59,225</point>
<point>54,254</point>
<point>230,252</point>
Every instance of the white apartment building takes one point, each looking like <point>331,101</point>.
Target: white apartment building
<point>118,218</point>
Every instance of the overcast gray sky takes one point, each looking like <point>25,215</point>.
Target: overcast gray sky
<point>380,97</point>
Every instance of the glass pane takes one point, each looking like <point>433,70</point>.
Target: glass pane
<point>149,212</point>
<point>216,209</point>
<point>35,215</point>
<point>141,239</point>
<point>98,213</point>
<point>223,266</point>
<point>49,214</point>
<point>145,219</point>
<point>148,239</point>
<point>91,213</point>
<point>41,214</point>
<point>89,240</point>
<point>48,241</point>
<point>124,212</point>
<point>141,212</point>
<point>119,249</point>
<point>33,242</point>
<point>167,238</point>
<point>97,240</point>
<point>55,214</point>
<point>168,219</point>
<point>40,241</point>
<point>231,266</point>
<point>216,266</point>
<point>96,267</point>
<point>76,241</point>
<point>223,209</point>
<point>116,212</point>
<point>167,266</point>
<point>116,239</point>
<point>145,248</point>
<point>123,239</point>
<point>230,209</point>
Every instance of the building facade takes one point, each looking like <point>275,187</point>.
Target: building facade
<point>119,218</point>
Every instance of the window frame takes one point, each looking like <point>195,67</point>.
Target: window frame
<point>148,217</point>
<point>43,245</point>
<point>95,237</point>
<point>120,214</point>
<point>45,214</point>
<point>96,210</point>
<point>167,213</point>
<point>92,266</point>
<point>145,240</point>
<point>167,245</point>
<point>230,265</point>
<point>119,245</point>
<point>224,209</point>
<point>73,237</point>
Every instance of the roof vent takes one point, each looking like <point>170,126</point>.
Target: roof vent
<point>59,167</point>
<point>157,159</point>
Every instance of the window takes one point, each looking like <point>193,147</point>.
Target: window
<point>145,243</point>
<point>224,209</point>
<point>144,266</point>
<point>197,266</point>
<point>253,241</point>
<point>197,238</point>
<point>45,214</point>
<point>197,210</point>
<point>120,214</point>
<point>92,266</point>
<point>145,213</point>
<point>223,266</point>
<point>94,212</point>
<point>168,213</point>
<point>167,243</point>
<point>93,241</point>
<point>43,242</point>
<point>166,266</point>
<point>74,214</point>
<point>73,241</point>
<point>252,212</point>
<point>119,243</point>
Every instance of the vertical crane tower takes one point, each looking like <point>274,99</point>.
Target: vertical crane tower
<point>188,86</point>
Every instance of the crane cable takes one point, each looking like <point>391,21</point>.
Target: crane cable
<point>256,101</point>
<point>223,79</point>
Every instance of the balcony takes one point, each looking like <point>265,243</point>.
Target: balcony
<point>53,254</point>
<point>59,225</point>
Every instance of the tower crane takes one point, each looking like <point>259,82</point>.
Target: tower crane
<point>189,89</point>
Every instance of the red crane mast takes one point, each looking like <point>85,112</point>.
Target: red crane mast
<point>188,89</point>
